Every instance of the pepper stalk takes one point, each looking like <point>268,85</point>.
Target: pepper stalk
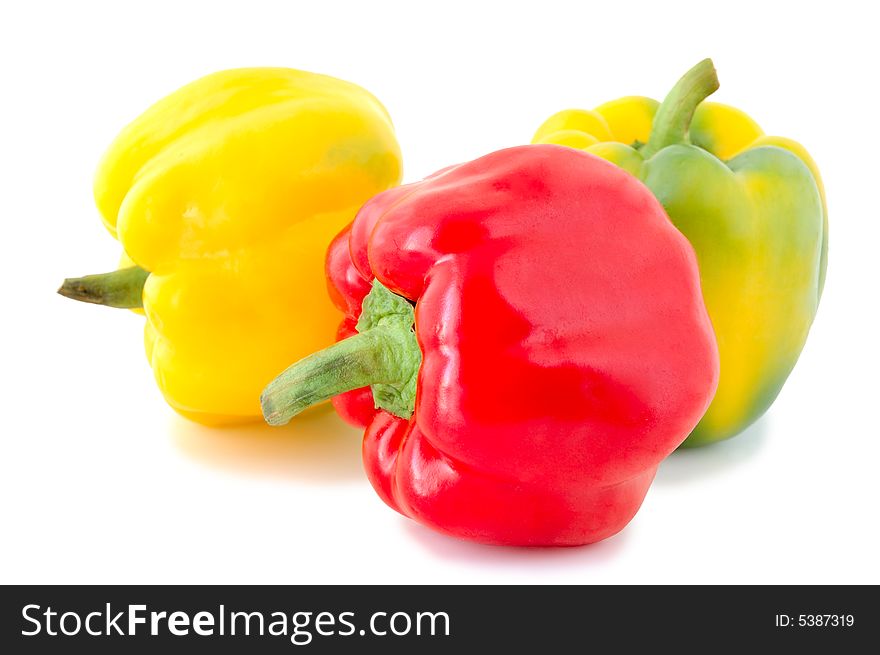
<point>384,355</point>
<point>123,288</point>
<point>673,118</point>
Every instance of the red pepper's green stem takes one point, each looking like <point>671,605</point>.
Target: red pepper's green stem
<point>352,363</point>
<point>384,355</point>
<point>673,118</point>
<point>123,288</point>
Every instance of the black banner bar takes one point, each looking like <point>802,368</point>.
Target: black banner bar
<point>334,619</point>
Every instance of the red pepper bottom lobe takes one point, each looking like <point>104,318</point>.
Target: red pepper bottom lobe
<point>418,482</point>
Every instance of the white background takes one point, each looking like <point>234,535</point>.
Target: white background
<point>102,482</point>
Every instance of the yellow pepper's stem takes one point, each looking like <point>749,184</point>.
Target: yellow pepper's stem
<point>384,355</point>
<point>673,118</point>
<point>123,288</point>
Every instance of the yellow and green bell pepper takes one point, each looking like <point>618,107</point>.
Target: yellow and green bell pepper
<point>753,208</point>
<point>224,196</point>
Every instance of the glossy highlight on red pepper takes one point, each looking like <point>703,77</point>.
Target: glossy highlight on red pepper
<point>565,346</point>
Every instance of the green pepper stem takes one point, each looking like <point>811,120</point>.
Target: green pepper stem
<point>384,355</point>
<point>673,118</point>
<point>123,288</point>
<point>358,361</point>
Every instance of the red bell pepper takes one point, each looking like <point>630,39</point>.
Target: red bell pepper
<point>558,351</point>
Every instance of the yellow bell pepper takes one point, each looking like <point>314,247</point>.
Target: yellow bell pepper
<point>753,207</point>
<point>224,196</point>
